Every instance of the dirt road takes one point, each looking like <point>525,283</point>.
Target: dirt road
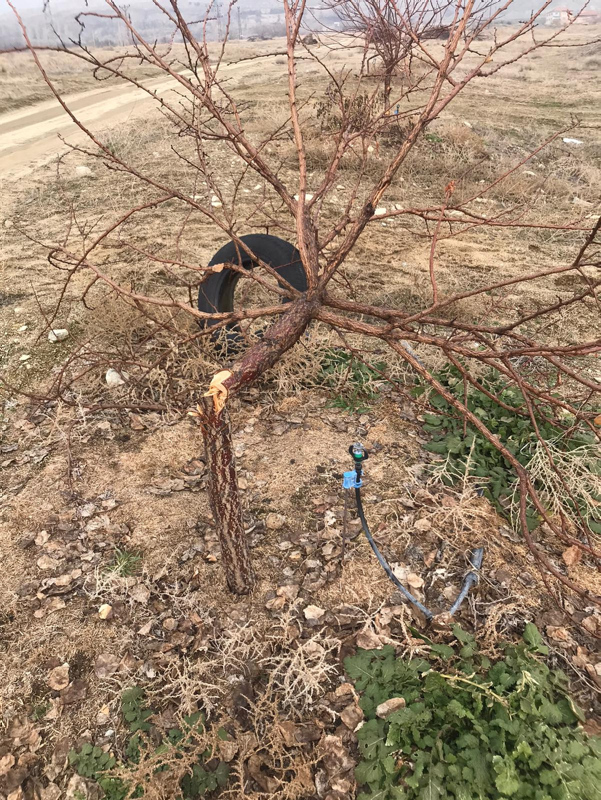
<point>31,136</point>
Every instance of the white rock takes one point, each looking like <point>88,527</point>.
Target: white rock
<point>8,223</point>
<point>370,149</point>
<point>568,140</point>
<point>140,593</point>
<point>113,379</point>
<point>79,788</point>
<point>369,640</point>
<point>314,649</point>
<point>58,335</point>
<point>51,792</point>
<point>308,196</point>
<point>87,510</point>
<point>83,172</point>
<point>400,571</point>
<point>467,124</point>
<point>388,706</point>
<point>274,522</point>
<point>313,613</point>
<point>23,328</point>
<point>380,211</point>
<point>24,358</point>
<point>46,562</point>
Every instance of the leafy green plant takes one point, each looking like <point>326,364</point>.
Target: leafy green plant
<point>92,762</point>
<point>40,711</point>
<point>468,452</point>
<point>471,729</point>
<point>354,382</point>
<point>134,711</point>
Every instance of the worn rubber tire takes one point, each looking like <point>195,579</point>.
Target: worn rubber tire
<point>216,292</point>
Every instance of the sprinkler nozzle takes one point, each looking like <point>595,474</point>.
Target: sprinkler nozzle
<point>358,452</point>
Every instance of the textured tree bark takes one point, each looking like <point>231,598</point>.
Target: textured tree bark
<point>278,338</point>
<point>224,497</point>
<point>388,83</point>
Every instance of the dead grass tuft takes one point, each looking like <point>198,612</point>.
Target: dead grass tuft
<point>566,479</point>
<point>295,672</point>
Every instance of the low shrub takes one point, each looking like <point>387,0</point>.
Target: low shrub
<point>471,729</point>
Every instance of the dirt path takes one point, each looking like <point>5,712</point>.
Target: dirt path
<point>29,136</point>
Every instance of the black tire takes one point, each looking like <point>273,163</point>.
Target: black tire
<point>216,292</point>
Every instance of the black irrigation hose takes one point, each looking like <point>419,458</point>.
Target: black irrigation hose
<point>471,579</point>
<point>385,565</point>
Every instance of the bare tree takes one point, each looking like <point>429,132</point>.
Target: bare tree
<point>390,30</point>
<point>210,125</point>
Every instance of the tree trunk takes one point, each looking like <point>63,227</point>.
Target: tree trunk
<point>224,497</point>
<point>223,483</point>
<point>387,84</point>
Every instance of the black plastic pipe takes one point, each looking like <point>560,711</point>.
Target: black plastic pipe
<point>385,565</point>
<point>476,556</point>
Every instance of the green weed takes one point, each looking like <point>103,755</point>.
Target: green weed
<point>40,711</point>
<point>125,563</point>
<point>470,729</point>
<point>94,763</point>
<point>467,451</point>
<point>354,383</point>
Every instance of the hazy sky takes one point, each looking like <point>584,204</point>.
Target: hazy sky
<point>518,7</point>
<point>521,5</point>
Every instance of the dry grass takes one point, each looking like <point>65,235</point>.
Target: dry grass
<point>567,479</point>
<point>295,673</point>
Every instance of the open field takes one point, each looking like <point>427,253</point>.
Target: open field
<point>110,560</point>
